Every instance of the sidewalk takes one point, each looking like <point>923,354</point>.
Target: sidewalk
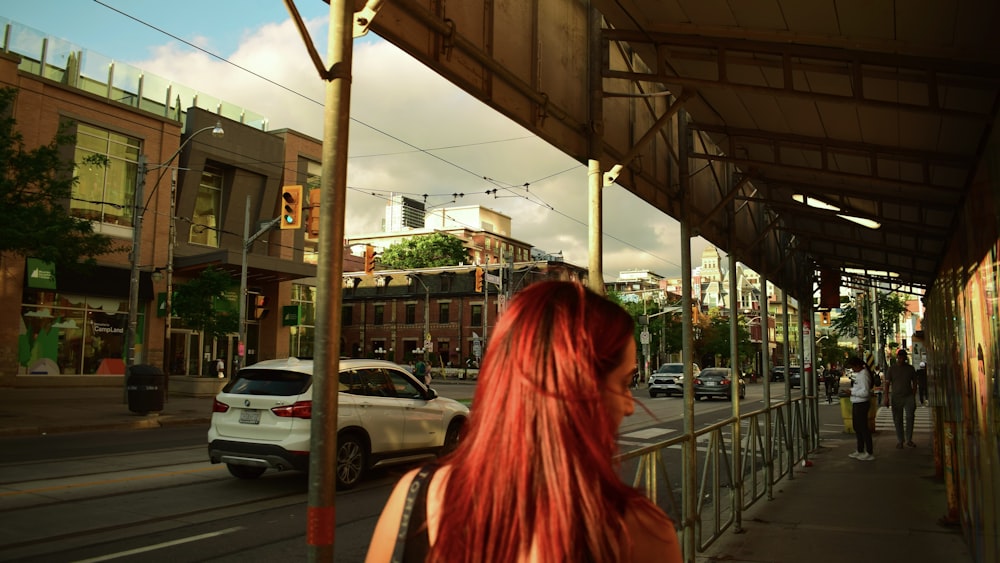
<point>840,509</point>
<point>38,410</point>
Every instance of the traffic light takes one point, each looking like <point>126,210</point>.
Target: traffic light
<point>291,207</point>
<point>369,259</point>
<point>312,222</point>
<point>480,275</point>
<point>260,309</point>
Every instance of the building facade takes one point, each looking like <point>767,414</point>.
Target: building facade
<point>192,193</point>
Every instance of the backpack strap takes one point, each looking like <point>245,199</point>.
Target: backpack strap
<point>414,547</point>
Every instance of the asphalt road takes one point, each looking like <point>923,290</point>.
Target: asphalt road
<point>151,495</point>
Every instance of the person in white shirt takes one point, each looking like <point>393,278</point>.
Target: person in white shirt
<point>860,405</point>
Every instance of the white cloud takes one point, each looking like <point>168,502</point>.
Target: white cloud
<point>398,104</point>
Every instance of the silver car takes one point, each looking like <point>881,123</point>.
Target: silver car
<point>717,382</point>
<point>668,379</point>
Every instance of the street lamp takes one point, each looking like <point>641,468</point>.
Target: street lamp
<point>138,213</point>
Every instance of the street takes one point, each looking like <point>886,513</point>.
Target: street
<point>152,495</point>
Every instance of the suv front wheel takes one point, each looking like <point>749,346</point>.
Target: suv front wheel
<point>352,460</point>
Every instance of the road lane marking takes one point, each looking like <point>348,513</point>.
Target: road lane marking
<point>154,547</point>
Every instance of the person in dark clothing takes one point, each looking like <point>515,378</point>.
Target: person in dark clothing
<point>922,383</point>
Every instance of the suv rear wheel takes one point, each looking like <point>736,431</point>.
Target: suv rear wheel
<point>352,460</point>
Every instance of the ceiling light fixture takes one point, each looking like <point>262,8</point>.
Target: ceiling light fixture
<point>868,223</point>
<point>813,202</point>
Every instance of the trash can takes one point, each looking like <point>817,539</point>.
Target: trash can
<point>846,412</point>
<point>145,386</point>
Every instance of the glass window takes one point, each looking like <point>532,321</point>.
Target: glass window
<point>105,193</point>
<point>403,385</point>
<point>379,314</point>
<point>207,209</point>
<point>477,315</point>
<point>443,312</point>
<point>347,315</point>
<point>411,313</point>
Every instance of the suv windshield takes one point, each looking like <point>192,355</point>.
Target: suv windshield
<point>671,368</point>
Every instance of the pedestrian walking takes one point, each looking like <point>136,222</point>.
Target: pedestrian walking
<point>922,383</point>
<point>860,405</point>
<point>902,381</point>
<point>220,368</point>
<point>422,373</point>
<point>553,390</point>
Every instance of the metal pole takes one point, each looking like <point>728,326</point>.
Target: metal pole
<point>690,459</point>
<point>241,347</point>
<point>168,299</point>
<point>427,320</point>
<point>321,512</point>
<point>133,287</point>
<point>595,180</point>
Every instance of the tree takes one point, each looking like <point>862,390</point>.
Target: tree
<point>34,187</point>
<point>205,303</point>
<point>890,307</point>
<point>428,251</point>
<point>714,341</point>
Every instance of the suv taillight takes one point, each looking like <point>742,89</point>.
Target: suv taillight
<point>301,409</point>
<point>219,407</point>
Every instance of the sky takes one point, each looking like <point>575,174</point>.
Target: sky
<point>412,132</point>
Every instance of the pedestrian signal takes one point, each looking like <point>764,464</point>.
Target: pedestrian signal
<point>369,259</point>
<point>480,279</point>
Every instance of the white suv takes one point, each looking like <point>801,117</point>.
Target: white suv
<point>261,419</point>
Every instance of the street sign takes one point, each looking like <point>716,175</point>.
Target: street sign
<point>492,278</point>
<point>644,337</point>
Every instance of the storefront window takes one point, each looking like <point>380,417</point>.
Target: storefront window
<point>65,334</point>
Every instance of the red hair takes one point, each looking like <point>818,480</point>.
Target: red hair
<point>536,463</point>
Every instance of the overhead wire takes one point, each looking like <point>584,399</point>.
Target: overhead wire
<point>428,152</point>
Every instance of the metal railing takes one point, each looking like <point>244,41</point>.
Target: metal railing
<point>773,440</point>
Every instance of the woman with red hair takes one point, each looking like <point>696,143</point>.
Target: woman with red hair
<point>533,477</point>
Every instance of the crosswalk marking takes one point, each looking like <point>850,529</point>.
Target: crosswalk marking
<point>649,433</point>
<point>922,419</point>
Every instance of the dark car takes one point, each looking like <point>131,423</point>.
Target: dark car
<point>794,375</point>
<point>717,382</point>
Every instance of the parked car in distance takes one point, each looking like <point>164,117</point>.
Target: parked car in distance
<point>794,375</point>
<point>262,419</point>
<point>668,379</point>
<point>717,382</point>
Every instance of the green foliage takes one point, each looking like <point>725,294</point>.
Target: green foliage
<point>429,251</point>
<point>34,188</point>
<point>205,303</point>
<point>715,338</point>
<point>890,307</point>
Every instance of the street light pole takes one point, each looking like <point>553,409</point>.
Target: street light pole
<point>137,217</point>
<point>248,240</point>
<point>427,313</point>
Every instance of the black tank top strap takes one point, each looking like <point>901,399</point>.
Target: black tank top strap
<point>412,540</point>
